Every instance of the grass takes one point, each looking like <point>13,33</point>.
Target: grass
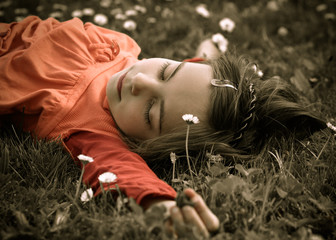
<point>286,193</point>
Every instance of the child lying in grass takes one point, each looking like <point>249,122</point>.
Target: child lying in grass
<point>85,85</point>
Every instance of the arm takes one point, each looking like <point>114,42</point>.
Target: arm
<point>110,154</point>
<point>136,180</point>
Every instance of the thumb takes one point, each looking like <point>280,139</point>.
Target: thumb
<point>208,217</point>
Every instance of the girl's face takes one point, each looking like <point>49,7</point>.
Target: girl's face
<point>149,98</point>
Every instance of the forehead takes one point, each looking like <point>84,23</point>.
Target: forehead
<point>188,92</point>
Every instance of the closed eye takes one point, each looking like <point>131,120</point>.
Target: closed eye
<point>148,107</point>
<point>161,74</point>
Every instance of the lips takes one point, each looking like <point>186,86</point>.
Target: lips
<point>120,83</point>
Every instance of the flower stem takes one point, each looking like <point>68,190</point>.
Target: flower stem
<point>173,170</point>
<point>187,152</point>
<point>102,187</point>
<point>80,181</point>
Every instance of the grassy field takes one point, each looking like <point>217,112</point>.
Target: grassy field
<point>286,193</point>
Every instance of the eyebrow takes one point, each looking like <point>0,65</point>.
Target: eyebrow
<point>176,70</point>
<point>162,112</point>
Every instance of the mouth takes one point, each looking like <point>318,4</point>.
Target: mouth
<point>120,84</point>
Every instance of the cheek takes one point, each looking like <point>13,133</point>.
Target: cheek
<point>129,118</point>
<point>173,122</point>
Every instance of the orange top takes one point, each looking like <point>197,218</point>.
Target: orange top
<point>53,83</point>
<point>48,65</point>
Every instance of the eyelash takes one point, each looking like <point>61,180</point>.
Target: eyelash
<point>151,102</point>
<point>149,105</point>
<point>162,70</point>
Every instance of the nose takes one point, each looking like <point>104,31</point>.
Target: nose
<point>143,83</point>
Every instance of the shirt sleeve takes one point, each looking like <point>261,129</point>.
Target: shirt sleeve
<point>110,154</point>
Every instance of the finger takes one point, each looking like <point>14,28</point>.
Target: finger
<point>169,229</point>
<point>209,219</point>
<point>191,217</point>
<point>178,221</point>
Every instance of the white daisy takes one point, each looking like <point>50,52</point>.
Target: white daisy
<point>130,25</point>
<point>140,8</point>
<point>190,119</point>
<point>100,19</point>
<point>105,3</point>
<point>226,24</point>
<point>220,41</point>
<point>87,195</point>
<point>107,177</point>
<point>77,13</point>
<point>84,159</point>
<point>88,11</point>
<point>201,10</point>
<point>131,12</point>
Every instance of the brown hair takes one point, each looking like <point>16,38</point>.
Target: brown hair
<point>276,113</point>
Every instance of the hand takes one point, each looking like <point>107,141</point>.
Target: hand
<point>207,49</point>
<point>199,216</point>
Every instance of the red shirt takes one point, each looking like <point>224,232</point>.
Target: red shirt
<point>56,74</point>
